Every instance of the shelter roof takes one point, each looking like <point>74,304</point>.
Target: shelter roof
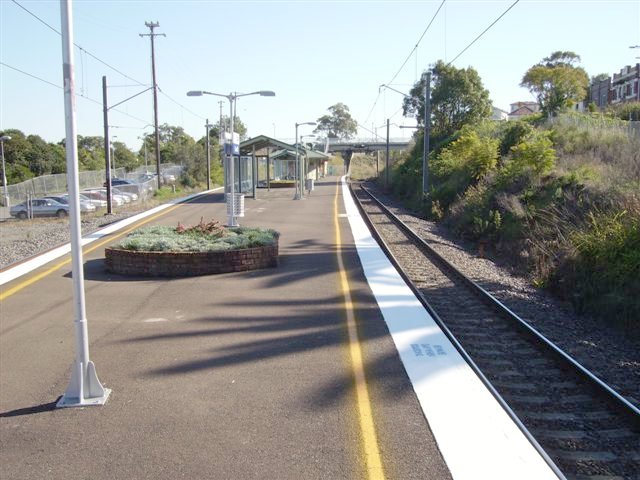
<point>262,142</point>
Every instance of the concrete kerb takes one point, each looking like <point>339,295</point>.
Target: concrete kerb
<point>12,273</point>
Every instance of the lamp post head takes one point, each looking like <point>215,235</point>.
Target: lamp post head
<point>195,93</point>
<point>4,138</point>
<point>305,123</point>
<point>267,93</point>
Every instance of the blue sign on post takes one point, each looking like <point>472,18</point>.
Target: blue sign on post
<point>231,148</point>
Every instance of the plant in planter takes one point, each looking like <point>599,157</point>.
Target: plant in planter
<point>205,248</point>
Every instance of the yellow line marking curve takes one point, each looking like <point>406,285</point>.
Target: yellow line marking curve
<point>109,238</point>
<point>365,416</point>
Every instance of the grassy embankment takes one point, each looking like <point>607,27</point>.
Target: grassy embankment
<point>559,198</point>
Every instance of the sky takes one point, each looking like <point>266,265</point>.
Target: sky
<point>312,54</point>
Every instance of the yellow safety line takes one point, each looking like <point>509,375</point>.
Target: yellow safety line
<point>367,428</point>
<point>110,238</point>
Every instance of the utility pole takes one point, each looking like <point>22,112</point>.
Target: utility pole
<point>107,150</point>
<point>427,132</point>
<point>151,26</point>
<point>386,182</point>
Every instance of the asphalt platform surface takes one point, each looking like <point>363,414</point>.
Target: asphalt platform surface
<point>235,376</point>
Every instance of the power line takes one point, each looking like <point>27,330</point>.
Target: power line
<point>30,75</point>
<point>181,106</point>
<point>61,88</point>
<point>407,59</point>
<point>416,46</point>
<point>81,49</point>
<point>484,31</point>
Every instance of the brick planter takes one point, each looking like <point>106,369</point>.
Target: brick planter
<point>187,264</point>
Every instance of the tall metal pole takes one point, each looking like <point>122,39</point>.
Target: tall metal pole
<point>223,128</point>
<point>386,181</point>
<point>151,26</point>
<point>4,171</point>
<point>231,220</point>
<point>84,387</point>
<point>427,132</point>
<point>208,126</point>
<point>298,194</point>
<point>107,141</point>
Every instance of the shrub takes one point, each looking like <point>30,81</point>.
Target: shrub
<point>461,165</point>
<point>514,134</point>
<point>602,272</point>
<point>203,237</point>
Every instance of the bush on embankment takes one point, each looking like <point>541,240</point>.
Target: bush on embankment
<point>559,198</point>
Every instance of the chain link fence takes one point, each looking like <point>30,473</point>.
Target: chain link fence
<point>57,184</point>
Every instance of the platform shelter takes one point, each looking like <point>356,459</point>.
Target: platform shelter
<point>273,162</point>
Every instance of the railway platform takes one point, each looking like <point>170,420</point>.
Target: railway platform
<point>324,367</point>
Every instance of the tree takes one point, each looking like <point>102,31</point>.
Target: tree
<point>123,157</point>
<point>238,127</point>
<point>557,82</point>
<point>458,98</point>
<point>90,152</point>
<point>339,124</point>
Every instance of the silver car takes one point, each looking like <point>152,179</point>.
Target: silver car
<point>85,206</point>
<point>40,207</point>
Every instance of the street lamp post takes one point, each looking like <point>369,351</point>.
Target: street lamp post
<point>207,127</point>
<point>144,144</point>
<point>306,162</point>
<point>300,168</point>
<point>5,194</point>
<point>113,155</point>
<point>232,97</point>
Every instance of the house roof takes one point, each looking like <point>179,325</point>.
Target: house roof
<point>524,110</point>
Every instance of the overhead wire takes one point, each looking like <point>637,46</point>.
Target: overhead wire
<point>180,105</point>
<point>418,43</point>
<point>81,48</point>
<point>483,32</point>
<point>407,59</point>
<point>77,94</point>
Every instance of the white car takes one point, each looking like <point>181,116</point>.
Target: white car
<point>131,195</point>
<point>101,194</point>
<point>64,199</point>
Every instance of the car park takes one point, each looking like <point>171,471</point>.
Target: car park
<point>40,207</point>
<point>85,206</point>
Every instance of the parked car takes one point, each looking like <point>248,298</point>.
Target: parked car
<point>85,206</point>
<point>96,202</point>
<point>101,194</point>
<point>168,178</point>
<point>40,207</point>
<point>124,185</point>
<point>132,196</point>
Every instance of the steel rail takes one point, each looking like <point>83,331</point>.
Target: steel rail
<point>622,404</point>
<point>422,299</point>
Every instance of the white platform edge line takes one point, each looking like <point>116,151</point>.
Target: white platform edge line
<point>475,435</point>
<point>36,262</point>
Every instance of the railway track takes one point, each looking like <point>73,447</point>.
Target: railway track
<point>581,426</point>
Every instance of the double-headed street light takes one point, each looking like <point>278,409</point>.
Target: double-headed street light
<point>232,97</point>
<point>3,139</point>
<point>299,184</point>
